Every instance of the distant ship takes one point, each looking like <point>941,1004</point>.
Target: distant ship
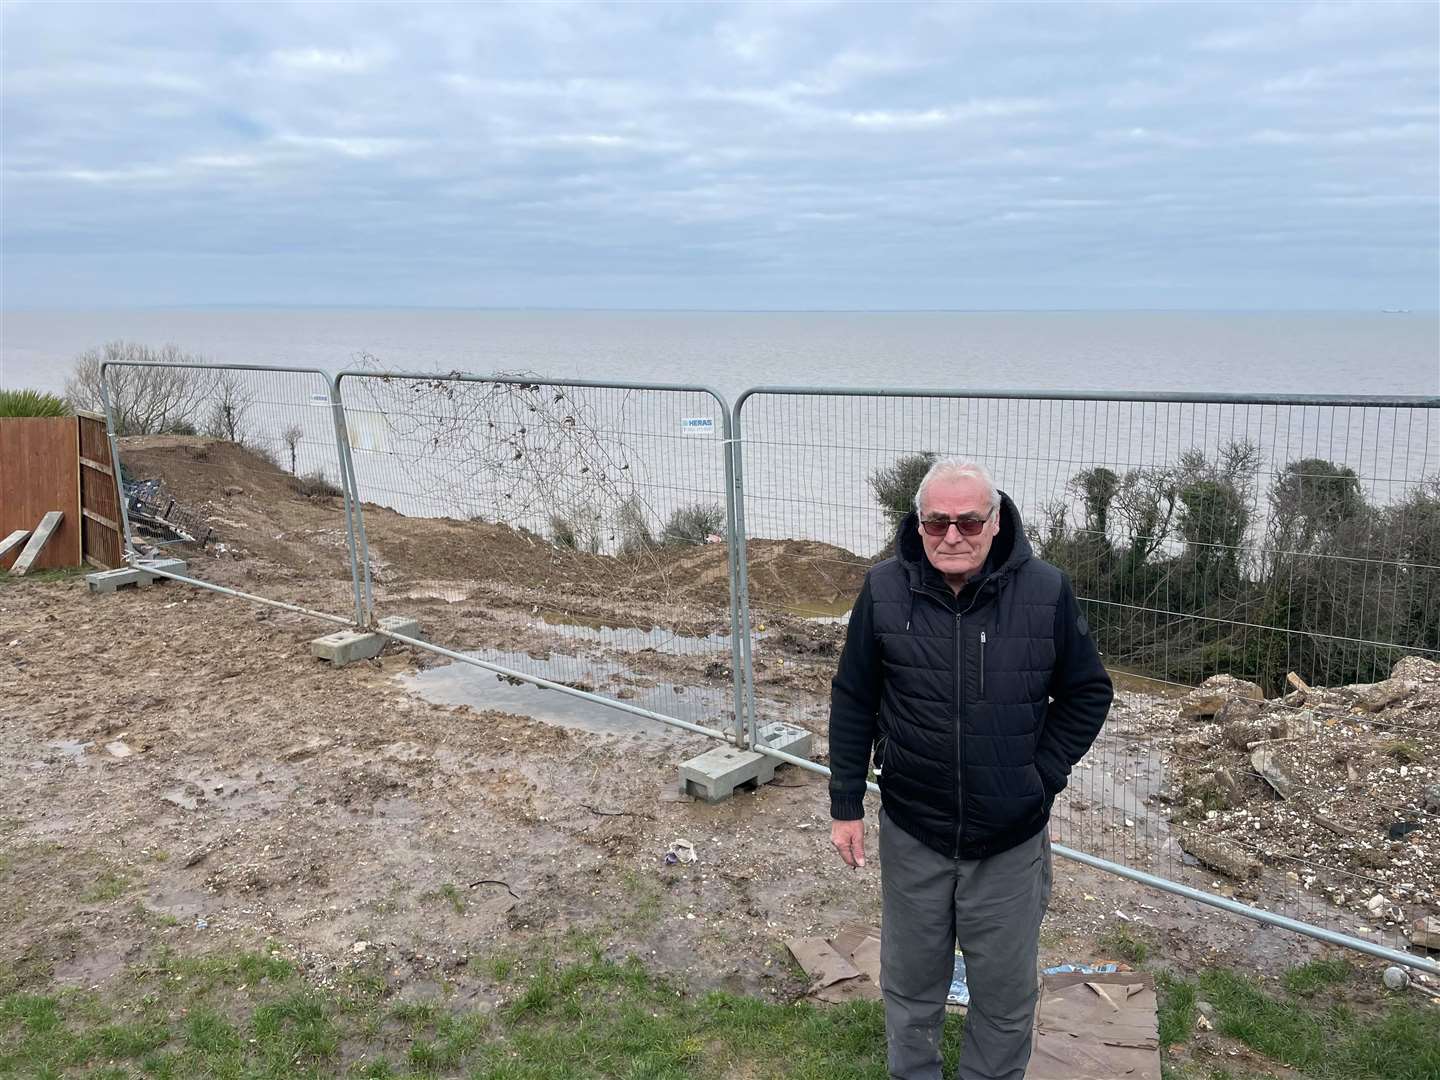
<point>1395,311</point>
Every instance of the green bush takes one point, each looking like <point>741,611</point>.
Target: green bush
<point>562,532</point>
<point>1182,578</point>
<point>32,403</point>
<point>632,524</point>
<point>693,524</point>
<point>895,485</point>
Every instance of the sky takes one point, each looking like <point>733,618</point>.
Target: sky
<point>728,156</point>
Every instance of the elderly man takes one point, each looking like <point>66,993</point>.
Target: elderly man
<point>970,671</point>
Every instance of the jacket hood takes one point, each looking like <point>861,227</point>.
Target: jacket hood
<point>1009,550</point>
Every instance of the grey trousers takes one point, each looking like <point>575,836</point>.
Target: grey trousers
<point>992,909</point>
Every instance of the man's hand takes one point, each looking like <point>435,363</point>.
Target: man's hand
<point>849,840</point>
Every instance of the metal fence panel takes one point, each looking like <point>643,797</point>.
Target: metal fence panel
<point>239,461</point>
<point>574,534</point>
<point>1251,536</point>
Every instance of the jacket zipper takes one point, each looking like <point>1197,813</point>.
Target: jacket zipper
<point>982,665</point>
<point>959,730</point>
<point>960,711</point>
<point>960,705</point>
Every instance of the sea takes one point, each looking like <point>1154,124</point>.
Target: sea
<point>1215,352</point>
<point>810,460</point>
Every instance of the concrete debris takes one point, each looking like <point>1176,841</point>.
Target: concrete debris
<point>1358,813</point>
<point>1264,763</point>
<point>1416,669</point>
<point>1210,697</point>
<point>1381,695</point>
<point>1221,855</point>
<point>1425,932</point>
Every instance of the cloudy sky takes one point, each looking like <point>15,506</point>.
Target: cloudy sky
<point>800,155</point>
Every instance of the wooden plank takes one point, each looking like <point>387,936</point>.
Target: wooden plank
<point>39,472</point>
<point>13,541</point>
<point>99,494</point>
<point>93,561</point>
<point>46,529</point>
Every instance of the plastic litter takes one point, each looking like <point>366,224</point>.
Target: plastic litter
<point>681,851</point>
<point>960,992</point>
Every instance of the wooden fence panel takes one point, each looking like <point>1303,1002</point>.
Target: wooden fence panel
<point>101,541</point>
<point>40,472</point>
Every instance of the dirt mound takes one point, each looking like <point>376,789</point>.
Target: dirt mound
<point>257,511</point>
<point>254,509</point>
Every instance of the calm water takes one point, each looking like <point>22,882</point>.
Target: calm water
<point>808,461</point>
<point>1250,352</point>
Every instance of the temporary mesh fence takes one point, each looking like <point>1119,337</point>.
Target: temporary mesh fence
<point>569,532</point>
<point>586,538</point>
<point>1251,537</point>
<point>208,450</point>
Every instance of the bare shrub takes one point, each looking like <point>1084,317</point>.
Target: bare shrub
<point>315,485</point>
<point>143,401</point>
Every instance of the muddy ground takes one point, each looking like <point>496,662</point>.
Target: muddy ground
<point>176,769</point>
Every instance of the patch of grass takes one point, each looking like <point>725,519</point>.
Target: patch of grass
<point>1331,1043</point>
<point>108,886</point>
<point>1404,752</point>
<point>642,898</point>
<point>1310,978</point>
<point>452,893</point>
<point>163,920</point>
<point>209,1033</point>
<point>1119,941</point>
<point>580,1012</point>
<point>499,967</point>
<point>44,577</point>
<point>1176,1008</point>
<point>219,970</point>
<point>297,1028</point>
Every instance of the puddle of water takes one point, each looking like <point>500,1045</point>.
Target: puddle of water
<point>631,638</point>
<point>450,596</point>
<point>71,748</point>
<point>227,794</point>
<point>181,903</point>
<point>836,610</point>
<point>464,684</point>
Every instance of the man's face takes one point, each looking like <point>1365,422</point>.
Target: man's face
<point>955,555</point>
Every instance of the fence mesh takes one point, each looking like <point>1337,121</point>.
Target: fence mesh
<point>239,466</point>
<point>575,533</point>
<point>1249,538</point>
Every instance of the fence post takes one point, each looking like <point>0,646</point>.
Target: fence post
<point>734,553</point>
<point>129,553</point>
<point>347,468</point>
<point>347,485</point>
<point>742,588</point>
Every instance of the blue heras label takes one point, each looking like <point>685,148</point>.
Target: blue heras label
<point>697,425</point>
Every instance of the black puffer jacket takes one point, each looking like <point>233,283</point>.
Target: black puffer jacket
<point>977,705</point>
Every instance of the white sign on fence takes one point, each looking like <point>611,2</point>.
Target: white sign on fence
<point>697,425</point>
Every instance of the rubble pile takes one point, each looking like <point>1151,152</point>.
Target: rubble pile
<point>1336,788</point>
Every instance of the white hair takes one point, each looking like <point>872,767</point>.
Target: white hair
<point>955,468</point>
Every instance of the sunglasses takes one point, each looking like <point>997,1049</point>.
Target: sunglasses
<point>968,526</point>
